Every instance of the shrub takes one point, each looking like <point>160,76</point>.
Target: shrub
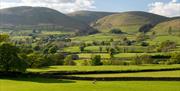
<point>166,46</point>
<point>9,59</point>
<point>175,59</point>
<point>144,44</point>
<point>143,59</point>
<point>96,60</point>
<point>116,31</point>
<point>69,60</point>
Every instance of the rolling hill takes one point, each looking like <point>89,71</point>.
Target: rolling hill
<point>41,16</point>
<point>88,17</point>
<point>128,22</point>
<point>164,28</point>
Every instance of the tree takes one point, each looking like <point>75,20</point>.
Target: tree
<point>137,60</point>
<point>96,60</point>
<point>107,49</point>
<point>82,48</point>
<point>33,60</point>
<point>9,59</point>
<point>170,30</point>
<point>175,59</point>
<point>116,31</point>
<point>69,60</point>
<point>100,49</point>
<point>166,46</point>
<point>4,37</point>
<point>37,48</point>
<point>112,52</point>
<point>53,49</point>
<point>143,59</point>
<point>141,37</point>
<point>144,44</point>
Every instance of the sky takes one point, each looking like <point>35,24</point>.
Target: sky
<point>168,8</point>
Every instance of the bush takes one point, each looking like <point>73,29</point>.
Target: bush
<point>9,59</point>
<point>116,31</point>
<point>96,60</point>
<point>166,46</point>
<point>143,59</point>
<point>85,63</point>
<point>144,44</point>
<point>175,59</point>
<point>75,56</point>
<point>69,60</point>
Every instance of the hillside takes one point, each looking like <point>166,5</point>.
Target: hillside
<point>88,17</point>
<point>128,22</point>
<point>40,16</point>
<point>164,28</point>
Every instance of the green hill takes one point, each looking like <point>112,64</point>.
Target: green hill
<point>129,22</point>
<point>89,17</point>
<point>40,16</point>
<point>170,26</point>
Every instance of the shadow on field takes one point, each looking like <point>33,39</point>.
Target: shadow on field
<point>40,80</point>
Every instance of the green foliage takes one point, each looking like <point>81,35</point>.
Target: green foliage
<point>112,52</point>
<point>69,60</point>
<point>143,59</point>
<point>4,38</point>
<point>175,59</point>
<point>116,31</point>
<point>9,59</point>
<point>166,46</point>
<point>50,49</point>
<point>53,49</point>
<point>142,37</point>
<point>34,60</point>
<point>96,60</point>
<point>144,44</point>
<point>81,48</point>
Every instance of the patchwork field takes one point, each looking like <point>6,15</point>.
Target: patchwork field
<point>102,68</point>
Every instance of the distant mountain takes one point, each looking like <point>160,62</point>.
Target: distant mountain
<point>129,22</point>
<point>164,28</point>
<point>39,16</point>
<point>89,17</point>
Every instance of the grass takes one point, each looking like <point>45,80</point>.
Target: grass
<point>71,49</point>
<point>54,33</point>
<point>126,55</point>
<point>101,68</point>
<point>88,55</point>
<point>160,39</point>
<point>141,74</point>
<point>97,37</point>
<point>40,84</point>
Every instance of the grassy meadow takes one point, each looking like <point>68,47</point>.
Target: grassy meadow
<point>40,84</point>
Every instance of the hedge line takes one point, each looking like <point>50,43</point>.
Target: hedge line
<point>105,72</point>
<point>120,78</point>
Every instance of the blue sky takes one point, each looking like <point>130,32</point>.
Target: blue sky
<point>162,7</point>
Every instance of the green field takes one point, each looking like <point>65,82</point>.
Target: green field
<point>101,68</point>
<point>97,37</point>
<point>160,39</point>
<point>40,84</point>
<point>140,74</point>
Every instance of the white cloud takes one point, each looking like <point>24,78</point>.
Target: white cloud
<point>60,5</point>
<point>170,9</point>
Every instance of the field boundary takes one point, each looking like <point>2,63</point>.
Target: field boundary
<point>104,72</point>
<point>119,78</point>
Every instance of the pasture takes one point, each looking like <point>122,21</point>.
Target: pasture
<point>41,84</point>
